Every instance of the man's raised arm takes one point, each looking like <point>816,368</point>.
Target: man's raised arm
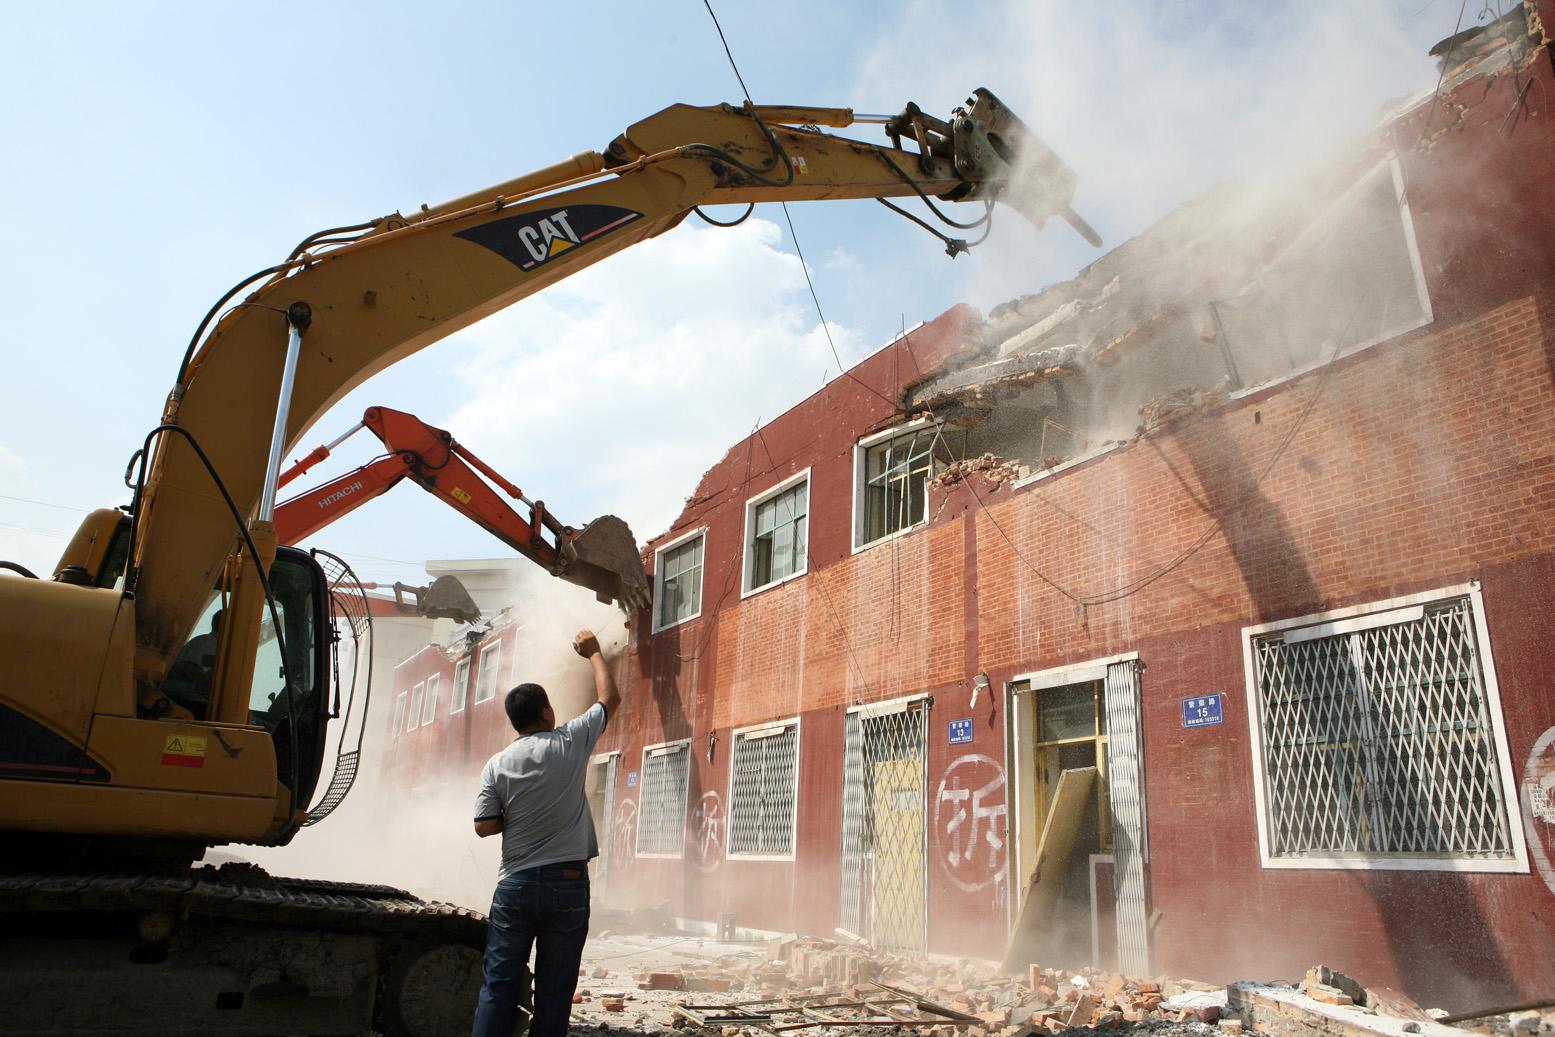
<point>605,690</point>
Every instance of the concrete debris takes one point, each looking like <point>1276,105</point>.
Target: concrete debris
<point>1179,403</point>
<point>845,988</point>
<point>986,383</point>
<point>995,470</point>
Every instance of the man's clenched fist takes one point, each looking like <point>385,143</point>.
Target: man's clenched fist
<point>585,644</point>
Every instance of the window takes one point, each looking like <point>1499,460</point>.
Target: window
<point>661,812</point>
<point>399,714</point>
<point>1352,278</point>
<point>892,474</point>
<point>413,717</point>
<point>763,790</point>
<point>775,534</point>
<point>1378,741</point>
<point>486,676</point>
<point>461,686</point>
<point>678,574</point>
<point>429,711</point>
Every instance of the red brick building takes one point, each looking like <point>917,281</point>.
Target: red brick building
<point>1248,526</point>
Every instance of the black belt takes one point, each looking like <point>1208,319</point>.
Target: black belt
<point>560,870</point>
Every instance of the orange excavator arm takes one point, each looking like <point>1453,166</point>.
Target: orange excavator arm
<point>602,556</point>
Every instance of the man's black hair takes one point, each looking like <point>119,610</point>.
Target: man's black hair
<point>524,704</point>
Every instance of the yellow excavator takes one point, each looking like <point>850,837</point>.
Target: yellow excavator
<point>109,794</point>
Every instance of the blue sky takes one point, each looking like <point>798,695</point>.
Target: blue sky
<point>156,155</point>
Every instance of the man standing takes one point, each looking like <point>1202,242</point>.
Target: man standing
<point>532,793</point>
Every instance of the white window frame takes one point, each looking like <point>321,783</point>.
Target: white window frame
<point>494,649</point>
<point>401,703</point>
<point>860,452</point>
<point>746,590</point>
<point>1360,617</point>
<point>1389,164</point>
<point>429,703</point>
<point>461,686</point>
<point>658,575</point>
<point>771,727</point>
<point>682,745</point>
<point>417,700</point>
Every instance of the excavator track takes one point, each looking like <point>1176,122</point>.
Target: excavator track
<point>232,950</point>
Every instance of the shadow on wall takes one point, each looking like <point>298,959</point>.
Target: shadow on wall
<point>1438,940</point>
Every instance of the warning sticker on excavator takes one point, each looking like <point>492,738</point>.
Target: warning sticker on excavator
<point>462,496</point>
<point>531,239</point>
<point>183,751</point>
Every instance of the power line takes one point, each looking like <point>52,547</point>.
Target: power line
<point>44,503</point>
<point>804,267</point>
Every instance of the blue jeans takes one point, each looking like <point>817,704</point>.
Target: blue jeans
<point>546,908</point>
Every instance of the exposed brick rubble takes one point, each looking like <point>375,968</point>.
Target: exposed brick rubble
<point>811,984</point>
<point>996,470</point>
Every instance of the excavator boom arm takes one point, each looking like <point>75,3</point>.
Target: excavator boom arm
<point>452,473</point>
<point>410,281</point>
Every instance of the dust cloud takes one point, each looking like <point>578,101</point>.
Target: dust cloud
<point>420,838</point>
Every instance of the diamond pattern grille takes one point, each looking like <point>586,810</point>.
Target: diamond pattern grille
<point>661,814</point>
<point>1379,742</point>
<point>883,881</point>
<point>762,792</point>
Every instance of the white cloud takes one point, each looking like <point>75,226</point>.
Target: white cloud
<point>616,389</point>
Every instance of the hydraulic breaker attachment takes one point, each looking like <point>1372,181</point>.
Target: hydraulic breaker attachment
<point>996,157</point>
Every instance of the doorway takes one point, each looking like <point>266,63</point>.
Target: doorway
<point>1081,717</point>
<point>884,897</point>
<point>599,788</point>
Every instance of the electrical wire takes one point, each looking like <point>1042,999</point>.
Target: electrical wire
<point>1442,77</point>
<point>819,585</point>
<point>804,268</point>
<point>43,503</point>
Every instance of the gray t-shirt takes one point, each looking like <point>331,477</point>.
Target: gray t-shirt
<point>536,786</point>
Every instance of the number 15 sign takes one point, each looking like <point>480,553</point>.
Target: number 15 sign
<point>1203,710</point>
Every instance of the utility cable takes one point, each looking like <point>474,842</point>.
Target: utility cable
<point>43,503</point>
<point>1442,77</point>
<point>803,266</point>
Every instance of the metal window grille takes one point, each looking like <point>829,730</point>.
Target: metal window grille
<point>607,812</point>
<point>461,686</point>
<point>413,715</point>
<point>884,896</point>
<point>399,713</point>
<point>486,676</point>
<point>1126,798</point>
<point>661,810</point>
<point>778,535</point>
<point>680,582</point>
<point>896,482</point>
<point>763,789</point>
<point>429,709</point>
<point>1378,741</point>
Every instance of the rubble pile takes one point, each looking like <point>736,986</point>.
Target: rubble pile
<point>846,988</point>
<point>809,982</point>
<point>996,470</point>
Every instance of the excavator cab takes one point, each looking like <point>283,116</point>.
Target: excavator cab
<point>289,691</point>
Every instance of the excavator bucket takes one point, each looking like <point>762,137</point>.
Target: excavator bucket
<point>603,557</point>
<point>446,598</point>
<point>1024,172</point>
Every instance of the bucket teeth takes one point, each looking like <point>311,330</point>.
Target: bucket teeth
<point>603,557</point>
